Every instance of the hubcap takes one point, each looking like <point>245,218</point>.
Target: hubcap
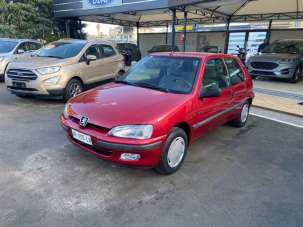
<point>75,89</point>
<point>176,152</point>
<point>298,74</point>
<point>244,113</point>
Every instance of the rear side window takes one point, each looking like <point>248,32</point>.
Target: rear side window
<point>106,51</point>
<point>215,72</point>
<point>235,71</point>
<point>34,46</point>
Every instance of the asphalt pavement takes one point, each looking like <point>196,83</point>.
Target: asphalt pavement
<point>232,177</point>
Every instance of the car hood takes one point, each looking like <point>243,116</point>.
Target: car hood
<point>273,57</point>
<point>119,104</point>
<point>4,55</point>
<point>38,62</point>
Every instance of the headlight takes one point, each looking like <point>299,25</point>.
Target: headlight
<point>66,111</point>
<point>285,60</point>
<point>132,131</point>
<point>52,80</point>
<point>48,70</point>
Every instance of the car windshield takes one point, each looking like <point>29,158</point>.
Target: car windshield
<point>7,46</point>
<point>60,50</point>
<point>286,47</point>
<point>164,73</point>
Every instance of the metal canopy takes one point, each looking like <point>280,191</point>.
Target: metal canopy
<point>158,13</point>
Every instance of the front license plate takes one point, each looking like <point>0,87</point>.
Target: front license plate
<point>19,84</point>
<point>82,137</point>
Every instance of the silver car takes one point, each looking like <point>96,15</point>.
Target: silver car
<point>15,49</point>
<point>282,59</point>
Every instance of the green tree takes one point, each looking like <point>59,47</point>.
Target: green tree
<point>30,19</point>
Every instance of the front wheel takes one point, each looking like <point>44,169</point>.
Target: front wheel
<point>174,152</point>
<point>297,75</point>
<point>243,117</point>
<point>73,88</point>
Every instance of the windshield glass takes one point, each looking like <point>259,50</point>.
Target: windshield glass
<point>169,74</point>
<point>60,50</point>
<point>7,46</point>
<point>286,47</point>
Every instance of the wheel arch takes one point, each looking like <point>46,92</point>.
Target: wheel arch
<point>185,126</point>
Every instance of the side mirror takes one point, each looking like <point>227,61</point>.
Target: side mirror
<point>20,51</point>
<point>90,58</point>
<point>210,91</point>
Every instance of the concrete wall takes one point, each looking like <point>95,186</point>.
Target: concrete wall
<point>287,34</point>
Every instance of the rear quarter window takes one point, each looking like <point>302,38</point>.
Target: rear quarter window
<point>235,71</point>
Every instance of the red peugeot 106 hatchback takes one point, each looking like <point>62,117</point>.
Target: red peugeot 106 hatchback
<point>149,116</point>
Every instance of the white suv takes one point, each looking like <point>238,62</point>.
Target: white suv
<point>15,49</point>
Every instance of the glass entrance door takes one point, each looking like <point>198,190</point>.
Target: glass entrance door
<point>255,39</point>
<point>236,39</point>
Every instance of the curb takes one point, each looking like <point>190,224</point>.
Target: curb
<point>279,111</point>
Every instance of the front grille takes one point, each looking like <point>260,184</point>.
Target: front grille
<point>89,125</point>
<point>22,89</point>
<point>21,74</point>
<point>264,65</point>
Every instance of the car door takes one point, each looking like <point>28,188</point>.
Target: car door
<point>21,51</point>
<point>237,81</point>
<point>110,61</point>
<point>91,71</point>
<point>212,112</point>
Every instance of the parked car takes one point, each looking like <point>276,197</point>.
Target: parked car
<point>130,51</point>
<point>282,59</point>
<point>211,49</point>
<point>14,49</point>
<point>149,116</point>
<point>163,48</point>
<point>63,68</point>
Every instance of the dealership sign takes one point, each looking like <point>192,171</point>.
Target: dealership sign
<point>92,4</point>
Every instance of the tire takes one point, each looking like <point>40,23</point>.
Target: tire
<point>73,88</point>
<point>168,162</point>
<point>243,117</point>
<point>297,75</point>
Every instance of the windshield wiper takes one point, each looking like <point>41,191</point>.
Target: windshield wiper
<point>146,85</point>
<point>47,56</point>
<point>125,82</point>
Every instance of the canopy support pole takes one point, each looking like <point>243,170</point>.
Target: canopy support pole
<point>184,31</point>
<point>138,34</point>
<point>67,28</point>
<point>166,35</point>
<point>227,36</point>
<point>268,35</point>
<point>173,41</point>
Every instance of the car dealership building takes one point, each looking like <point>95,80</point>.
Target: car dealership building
<point>225,24</point>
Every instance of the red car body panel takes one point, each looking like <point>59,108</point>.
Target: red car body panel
<point>114,105</point>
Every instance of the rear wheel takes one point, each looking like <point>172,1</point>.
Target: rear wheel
<point>243,117</point>
<point>73,88</point>
<point>174,152</point>
<point>297,75</point>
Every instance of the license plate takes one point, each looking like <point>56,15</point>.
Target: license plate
<point>19,84</point>
<point>82,137</point>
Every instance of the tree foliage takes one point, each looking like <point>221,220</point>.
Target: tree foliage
<point>29,19</point>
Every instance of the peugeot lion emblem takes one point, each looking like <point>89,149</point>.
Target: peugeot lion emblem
<point>84,121</point>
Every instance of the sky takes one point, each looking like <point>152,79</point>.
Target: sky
<point>91,28</point>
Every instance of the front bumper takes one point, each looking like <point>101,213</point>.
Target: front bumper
<point>283,71</point>
<point>111,148</point>
<point>35,87</point>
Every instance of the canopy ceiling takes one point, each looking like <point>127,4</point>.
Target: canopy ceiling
<point>207,11</point>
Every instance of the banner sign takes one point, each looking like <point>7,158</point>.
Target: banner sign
<point>93,4</point>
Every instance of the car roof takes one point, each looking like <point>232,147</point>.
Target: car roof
<point>82,41</point>
<point>191,54</point>
<point>19,40</point>
<point>290,40</point>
